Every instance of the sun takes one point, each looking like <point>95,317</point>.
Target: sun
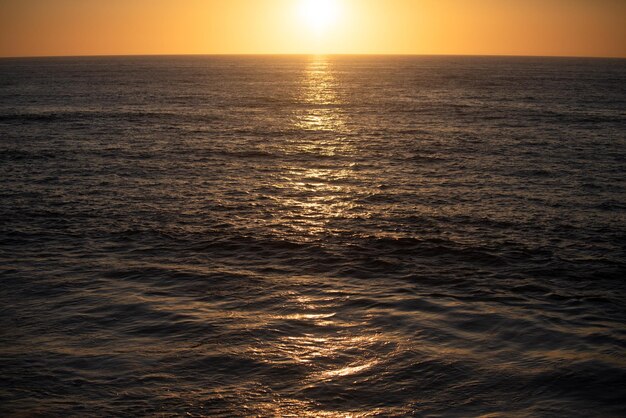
<point>319,15</point>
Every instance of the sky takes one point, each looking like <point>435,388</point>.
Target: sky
<point>472,27</point>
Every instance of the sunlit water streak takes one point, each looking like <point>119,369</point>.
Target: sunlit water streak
<point>312,236</point>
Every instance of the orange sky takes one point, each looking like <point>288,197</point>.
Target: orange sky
<point>485,27</point>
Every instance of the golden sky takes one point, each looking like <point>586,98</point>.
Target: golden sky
<point>483,27</point>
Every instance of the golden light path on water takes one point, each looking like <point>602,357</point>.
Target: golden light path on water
<point>328,346</point>
<point>320,190</point>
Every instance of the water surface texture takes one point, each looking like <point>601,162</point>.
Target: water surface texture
<point>312,236</point>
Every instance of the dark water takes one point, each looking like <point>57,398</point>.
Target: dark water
<point>312,236</point>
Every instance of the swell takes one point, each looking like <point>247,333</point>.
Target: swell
<point>229,237</point>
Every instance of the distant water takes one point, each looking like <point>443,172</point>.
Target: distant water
<point>312,236</point>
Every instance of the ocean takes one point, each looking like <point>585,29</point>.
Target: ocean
<point>336,236</point>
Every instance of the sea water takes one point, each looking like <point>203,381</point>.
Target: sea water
<point>312,236</point>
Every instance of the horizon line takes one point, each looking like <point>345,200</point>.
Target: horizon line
<point>308,54</point>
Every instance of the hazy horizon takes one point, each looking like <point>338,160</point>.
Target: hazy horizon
<point>313,55</point>
<point>39,28</point>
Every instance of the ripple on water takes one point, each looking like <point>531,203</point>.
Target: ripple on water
<point>339,236</point>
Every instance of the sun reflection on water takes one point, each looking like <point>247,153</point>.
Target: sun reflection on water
<point>317,185</point>
<point>317,181</point>
<point>329,346</point>
<point>320,98</point>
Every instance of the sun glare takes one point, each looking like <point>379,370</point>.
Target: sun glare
<point>319,15</point>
